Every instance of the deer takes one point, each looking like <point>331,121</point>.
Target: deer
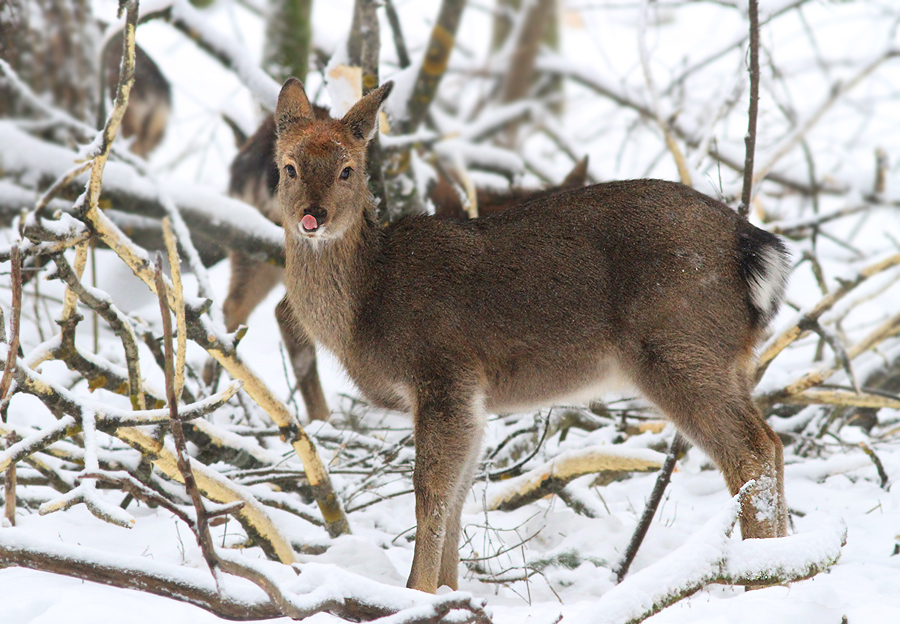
<point>645,284</point>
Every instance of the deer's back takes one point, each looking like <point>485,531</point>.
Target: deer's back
<point>561,288</point>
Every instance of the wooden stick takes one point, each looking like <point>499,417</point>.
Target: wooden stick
<point>662,481</point>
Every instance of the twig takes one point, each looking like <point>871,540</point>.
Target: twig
<point>13,347</point>
<point>750,139</point>
<point>101,304</point>
<point>878,465</point>
<point>662,481</point>
<point>399,41</point>
<point>840,89</point>
<point>680,161</point>
<point>201,528</point>
<point>9,484</point>
<point>181,323</point>
<point>799,329</point>
<point>100,152</point>
<point>58,186</point>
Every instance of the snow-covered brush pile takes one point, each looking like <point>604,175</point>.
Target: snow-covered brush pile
<point>233,503</point>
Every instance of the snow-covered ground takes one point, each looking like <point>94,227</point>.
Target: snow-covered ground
<point>567,560</point>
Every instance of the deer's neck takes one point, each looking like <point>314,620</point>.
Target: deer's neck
<point>327,281</point>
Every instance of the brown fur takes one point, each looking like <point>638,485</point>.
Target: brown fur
<point>646,281</point>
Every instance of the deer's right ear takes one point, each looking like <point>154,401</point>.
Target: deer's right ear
<point>293,105</point>
<point>362,118</point>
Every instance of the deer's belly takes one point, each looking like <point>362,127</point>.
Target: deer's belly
<point>526,388</point>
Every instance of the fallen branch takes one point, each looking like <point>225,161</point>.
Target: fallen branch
<point>237,599</point>
<point>555,474</point>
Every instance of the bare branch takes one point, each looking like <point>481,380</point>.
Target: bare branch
<point>750,139</point>
<point>201,527</point>
<point>9,484</point>
<point>181,323</point>
<point>13,346</point>
<point>677,447</point>
<point>103,305</point>
<point>437,54</point>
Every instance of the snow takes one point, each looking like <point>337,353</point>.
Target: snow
<point>569,559</point>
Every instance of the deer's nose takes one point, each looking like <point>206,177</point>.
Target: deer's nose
<point>316,211</point>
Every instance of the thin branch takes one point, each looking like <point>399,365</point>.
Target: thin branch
<point>100,152</point>
<point>181,323</point>
<point>13,346</point>
<point>800,327</point>
<point>100,303</point>
<point>196,27</point>
<point>201,528</point>
<point>750,139</point>
<point>840,89</point>
<point>399,41</point>
<point>676,448</point>
<point>437,55</point>
<point>9,484</point>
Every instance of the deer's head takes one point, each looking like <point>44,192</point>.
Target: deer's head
<point>322,163</point>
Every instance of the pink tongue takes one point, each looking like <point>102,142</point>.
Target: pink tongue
<point>308,223</point>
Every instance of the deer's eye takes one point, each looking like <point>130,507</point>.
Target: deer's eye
<point>290,171</point>
<point>346,173</point>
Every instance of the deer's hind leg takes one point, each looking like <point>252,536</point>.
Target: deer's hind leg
<point>708,399</point>
<point>449,425</point>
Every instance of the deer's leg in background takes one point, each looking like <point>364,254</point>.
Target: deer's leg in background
<point>302,353</point>
<point>250,282</point>
<point>448,432</point>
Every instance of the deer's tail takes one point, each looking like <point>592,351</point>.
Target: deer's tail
<point>764,263</point>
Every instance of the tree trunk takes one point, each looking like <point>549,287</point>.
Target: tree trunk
<point>288,39</point>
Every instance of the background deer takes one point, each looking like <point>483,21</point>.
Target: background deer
<point>642,282</point>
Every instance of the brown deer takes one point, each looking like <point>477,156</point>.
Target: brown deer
<point>644,282</point>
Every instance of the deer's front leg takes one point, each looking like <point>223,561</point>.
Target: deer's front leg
<point>448,430</point>
<point>303,360</point>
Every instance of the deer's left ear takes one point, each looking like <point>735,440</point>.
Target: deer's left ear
<point>363,117</point>
<point>293,105</point>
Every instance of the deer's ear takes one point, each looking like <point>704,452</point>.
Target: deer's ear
<point>293,105</point>
<point>362,118</point>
